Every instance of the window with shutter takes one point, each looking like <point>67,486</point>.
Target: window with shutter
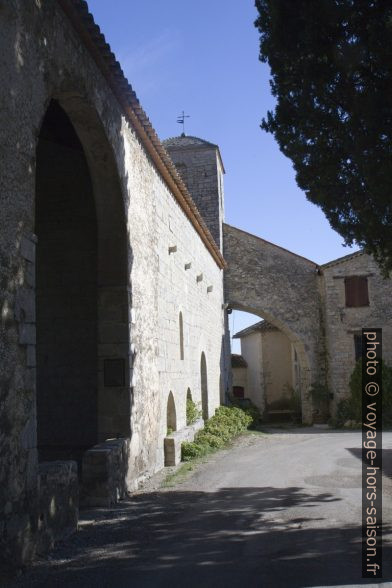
<point>356,291</point>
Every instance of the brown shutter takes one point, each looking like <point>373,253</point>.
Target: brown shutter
<point>356,291</point>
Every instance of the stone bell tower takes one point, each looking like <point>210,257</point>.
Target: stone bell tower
<point>200,166</point>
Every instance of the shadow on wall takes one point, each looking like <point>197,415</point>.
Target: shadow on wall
<point>81,232</point>
<point>233,537</point>
<point>82,278</point>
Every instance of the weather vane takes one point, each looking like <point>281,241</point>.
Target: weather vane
<point>181,120</point>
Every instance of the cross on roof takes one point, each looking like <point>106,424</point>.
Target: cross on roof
<point>181,120</point>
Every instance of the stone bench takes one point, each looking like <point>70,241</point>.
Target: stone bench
<point>104,471</point>
<point>172,443</point>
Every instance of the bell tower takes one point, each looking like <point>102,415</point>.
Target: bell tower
<point>200,165</point>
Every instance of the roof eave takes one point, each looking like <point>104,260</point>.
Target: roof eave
<point>94,41</point>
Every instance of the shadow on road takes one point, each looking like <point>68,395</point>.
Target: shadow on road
<point>229,538</point>
<point>386,459</point>
<point>299,430</point>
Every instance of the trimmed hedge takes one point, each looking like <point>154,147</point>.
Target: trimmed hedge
<point>218,430</point>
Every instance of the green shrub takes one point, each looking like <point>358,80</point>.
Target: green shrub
<point>247,406</point>
<point>226,423</point>
<point>356,393</point>
<point>218,430</point>
<point>343,413</point>
<point>190,450</point>
<point>192,412</point>
<point>205,438</point>
<point>351,408</point>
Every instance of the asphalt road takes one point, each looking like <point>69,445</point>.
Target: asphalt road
<point>275,511</point>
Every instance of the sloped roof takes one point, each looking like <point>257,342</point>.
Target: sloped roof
<point>343,259</point>
<point>190,142</point>
<point>187,140</point>
<point>237,361</point>
<point>309,261</point>
<point>262,326</point>
<point>90,35</point>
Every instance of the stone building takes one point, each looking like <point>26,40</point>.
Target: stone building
<point>272,376</point>
<point>355,296</point>
<point>318,311</point>
<point>113,299</point>
<point>111,282</point>
<point>239,371</point>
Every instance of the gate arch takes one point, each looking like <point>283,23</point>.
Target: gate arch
<point>283,288</point>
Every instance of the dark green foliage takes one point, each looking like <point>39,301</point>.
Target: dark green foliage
<point>192,412</point>
<point>351,408</point>
<point>218,430</point>
<point>356,393</point>
<point>249,408</point>
<point>206,438</point>
<point>343,413</point>
<point>191,449</point>
<point>331,66</point>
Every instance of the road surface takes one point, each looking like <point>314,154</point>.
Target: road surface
<point>276,511</point>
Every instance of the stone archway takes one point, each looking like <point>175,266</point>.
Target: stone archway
<point>81,285</point>
<point>283,288</point>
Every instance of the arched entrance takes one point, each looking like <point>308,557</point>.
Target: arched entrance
<point>81,286</point>
<point>204,386</point>
<point>171,415</point>
<point>283,288</point>
<point>301,376</point>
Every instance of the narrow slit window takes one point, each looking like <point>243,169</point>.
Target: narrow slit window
<point>181,327</point>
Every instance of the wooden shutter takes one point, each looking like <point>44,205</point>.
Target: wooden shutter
<point>356,291</point>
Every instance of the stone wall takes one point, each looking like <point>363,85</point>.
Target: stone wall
<point>284,289</point>
<point>179,277</point>
<point>142,282</point>
<point>200,166</point>
<point>58,507</point>
<point>278,369</point>
<point>342,322</point>
<point>174,441</point>
<point>252,352</point>
<point>104,473</point>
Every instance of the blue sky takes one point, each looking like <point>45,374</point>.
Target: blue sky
<point>202,57</point>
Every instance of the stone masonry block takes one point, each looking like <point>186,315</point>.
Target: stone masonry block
<point>104,469</point>
<point>172,443</point>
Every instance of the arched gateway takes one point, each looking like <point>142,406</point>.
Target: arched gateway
<point>281,287</point>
